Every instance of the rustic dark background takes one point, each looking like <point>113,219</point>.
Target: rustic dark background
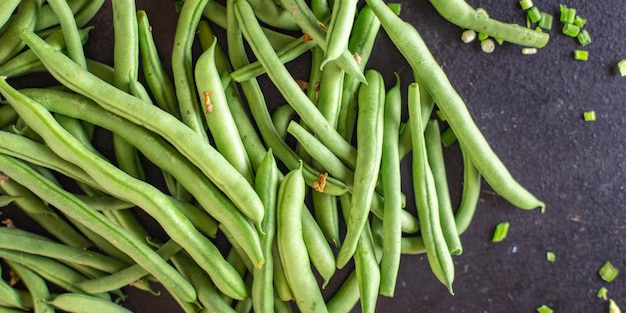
<point>529,107</point>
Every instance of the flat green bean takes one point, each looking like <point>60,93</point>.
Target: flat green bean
<point>82,17</point>
<point>429,74</point>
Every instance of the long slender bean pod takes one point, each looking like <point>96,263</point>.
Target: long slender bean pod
<point>10,297</point>
<point>369,141</point>
<point>291,245</point>
<point>36,286</point>
<point>47,18</point>
<point>338,35</point>
<point>189,143</point>
<point>320,253</point>
<point>76,302</point>
<point>462,14</point>
<point>25,18</point>
<point>8,116</point>
<point>404,142</point>
<point>266,185</point>
<point>190,109</point>
<point>6,10</point>
<point>283,291</point>
<point>434,151</point>
<point>392,192</point>
<point>469,194</point>
<point>70,31</point>
<point>271,13</point>
<point>438,254</point>
<point>429,75</point>
<point>368,271</point>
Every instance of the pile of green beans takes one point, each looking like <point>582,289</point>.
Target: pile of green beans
<point>230,203</point>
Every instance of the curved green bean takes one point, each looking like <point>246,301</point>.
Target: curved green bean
<point>281,117</point>
<point>25,18</point>
<point>47,18</point>
<point>273,14</point>
<point>460,13</point>
<point>7,8</point>
<point>469,195</point>
<point>76,302</point>
<point>429,74</point>
<point>70,31</point>
<point>369,140</point>
<point>341,22</point>
<point>8,116</point>
<point>320,253</point>
<point>9,296</point>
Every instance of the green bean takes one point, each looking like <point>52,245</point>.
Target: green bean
<point>167,158</point>
<point>326,215</point>
<point>434,152</point>
<point>430,75</point>
<point>190,108</point>
<point>281,117</point>
<point>100,70</point>
<point>35,285</point>
<point>369,140</point>
<point>392,192</point>
<point>8,116</point>
<point>292,249</point>
<point>320,253</point>
<point>126,276</point>
<point>469,195</point>
<point>75,302</point>
<point>346,296</point>
<point>25,18</point>
<point>70,31</point>
<point>266,185</point>
<point>283,291</point>
<point>290,89</point>
<point>281,306</point>
<point>460,13</point>
<point>47,18</point>
<point>27,62</point>
<point>9,296</point>
<point>101,242</point>
<point>6,10</point>
<point>82,17</point>
<point>426,200</point>
<point>287,53</point>
<point>44,216</point>
<point>309,24</point>
<point>218,116</point>
<point>157,79</point>
<point>368,271</point>
<point>189,143</point>
<point>341,22</point>
<point>404,141</point>
<point>273,14</point>
<point>17,240</point>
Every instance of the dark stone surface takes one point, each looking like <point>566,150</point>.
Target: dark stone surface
<point>530,110</point>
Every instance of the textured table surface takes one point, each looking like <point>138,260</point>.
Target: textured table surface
<point>529,107</point>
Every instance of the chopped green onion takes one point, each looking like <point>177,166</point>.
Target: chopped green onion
<point>580,21</point>
<point>482,36</point>
<point>546,21</point>
<point>567,14</point>
<point>526,4</point>
<point>534,14</point>
<point>621,67</point>
<point>571,30</point>
<point>581,55</point>
<point>589,116</point>
<point>550,256</point>
<point>583,37</point>
<point>448,137</point>
<point>488,45</point>
<point>528,51</point>
<point>544,309</point>
<point>608,272</point>
<point>613,308</point>
<point>500,232</point>
<point>468,36</point>
<point>603,293</point>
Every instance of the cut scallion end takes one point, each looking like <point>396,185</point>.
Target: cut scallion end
<point>581,55</point>
<point>568,15</point>
<point>603,293</point>
<point>528,51</point>
<point>534,14</point>
<point>544,309</point>
<point>608,272</point>
<point>583,37</point>
<point>589,116</point>
<point>448,137</point>
<point>468,36</point>
<point>621,67</point>
<point>501,231</point>
<point>550,256</point>
<point>526,4</point>
<point>571,30</point>
<point>580,21</point>
<point>546,21</point>
<point>488,45</point>
<point>613,308</point>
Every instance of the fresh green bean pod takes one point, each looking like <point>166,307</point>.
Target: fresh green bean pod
<point>438,254</point>
<point>82,17</point>
<point>404,141</point>
<point>462,14</point>
<point>70,31</point>
<point>272,14</point>
<point>320,253</point>
<point>392,192</point>
<point>7,8</point>
<point>36,286</point>
<point>368,160</point>
<point>76,302</point>
<point>326,215</point>
<point>157,79</point>
<point>283,291</point>
<point>9,296</point>
<point>47,18</point>
<point>368,271</point>
<point>291,246</point>
<point>8,116</point>
<point>266,185</point>
<point>25,18</point>
<point>341,22</point>
<point>429,74</point>
<point>185,140</point>
<point>218,116</point>
<point>281,117</point>
<point>470,194</point>
<point>434,152</point>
